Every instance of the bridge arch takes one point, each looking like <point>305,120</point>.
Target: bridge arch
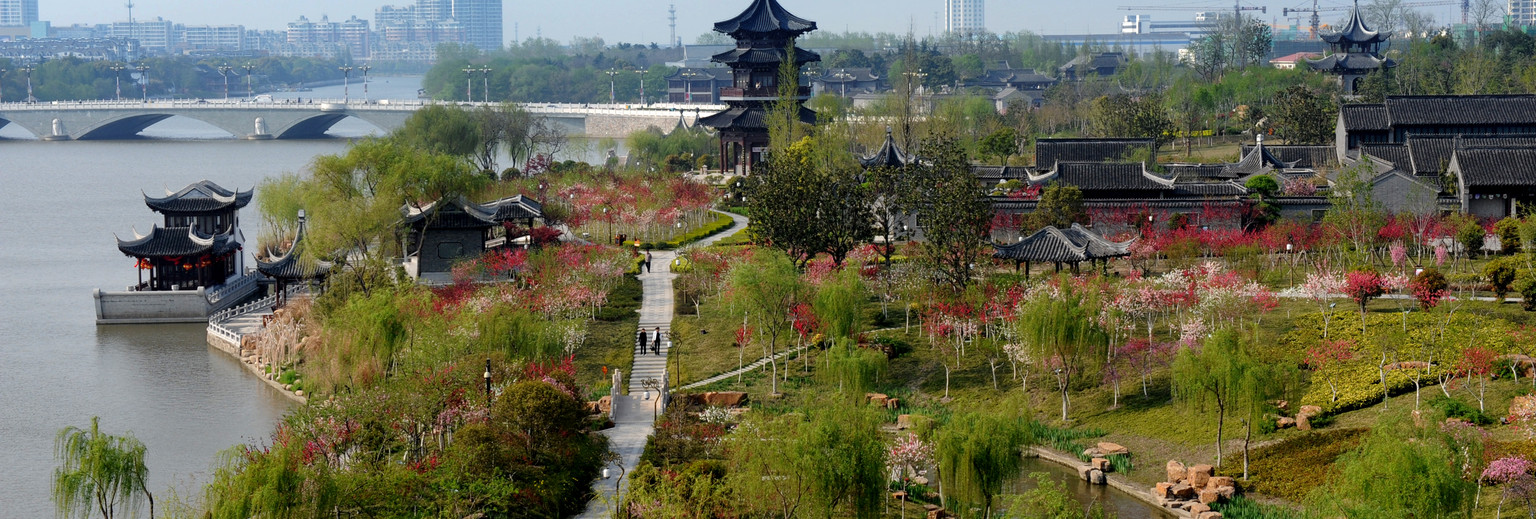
<point>122,128</point>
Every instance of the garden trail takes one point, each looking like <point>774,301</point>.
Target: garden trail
<point>634,414</point>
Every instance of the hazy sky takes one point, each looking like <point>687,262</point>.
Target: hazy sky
<point>646,20</point>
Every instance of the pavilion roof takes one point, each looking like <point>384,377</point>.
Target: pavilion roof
<point>765,16</point>
<point>1355,31</point>
<point>294,264</point>
<point>177,241</point>
<point>516,208</point>
<point>1257,160</point>
<point>1352,61</point>
<point>1304,156</point>
<point>455,213</point>
<point>202,196</point>
<point>747,118</point>
<point>889,155</point>
<point>763,55</point>
<point>1072,245</point>
<point>1104,176</point>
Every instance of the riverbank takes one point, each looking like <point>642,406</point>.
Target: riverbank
<point>233,349</point>
<point>1112,480</point>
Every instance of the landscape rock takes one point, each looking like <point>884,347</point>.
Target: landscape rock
<point>1096,476</point>
<point>1182,491</point>
<point>1285,422</point>
<point>1161,489</point>
<point>892,403</point>
<point>1175,471</point>
<point>1107,448</point>
<point>1282,405</point>
<point>1303,423</point>
<point>605,404</point>
<point>1199,475</point>
<point>1084,473</point>
<point>921,480</point>
<point>1310,410</point>
<point>1099,464</point>
<point>1209,515</point>
<point>903,422</point>
<point>724,398</point>
<point>1195,509</point>
<point>1219,481</point>
<point>1227,491</point>
<point>876,398</point>
<point>1209,496</point>
<point>1523,406</point>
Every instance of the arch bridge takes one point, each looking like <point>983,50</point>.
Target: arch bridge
<point>288,119</point>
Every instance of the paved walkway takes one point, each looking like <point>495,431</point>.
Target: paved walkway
<point>634,415</point>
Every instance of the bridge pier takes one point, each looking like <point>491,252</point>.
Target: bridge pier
<point>260,133</point>
<point>58,133</point>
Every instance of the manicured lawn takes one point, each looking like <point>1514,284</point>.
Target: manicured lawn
<point>611,339</point>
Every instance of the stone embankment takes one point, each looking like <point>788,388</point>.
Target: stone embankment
<point>1192,490</point>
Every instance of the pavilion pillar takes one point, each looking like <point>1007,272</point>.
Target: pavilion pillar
<point>1026,270</point>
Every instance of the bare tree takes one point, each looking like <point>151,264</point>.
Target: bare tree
<point>1484,13</point>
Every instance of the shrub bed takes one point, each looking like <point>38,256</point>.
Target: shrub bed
<point>1292,468</point>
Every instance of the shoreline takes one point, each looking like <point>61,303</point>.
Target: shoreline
<point>233,350</point>
<point>1113,480</point>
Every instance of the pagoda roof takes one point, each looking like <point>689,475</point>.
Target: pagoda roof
<point>848,75</point>
<point>516,208</point>
<point>1257,160</point>
<point>455,213</point>
<point>765,16</point>
<point>890,155</point>
<point>1050,151</point>
<point>1351,61</point>
<point>1495,166</point>
<point>1072,245</point>
<point>1355,31</point>
<point>177,241</point>
<point>202,196</point>
<point>748,118</point>
<point>763,55</point>
<point>1105,176</point>
<point>292,264</point>
<point>700,74</point>
<point>1304,156</point>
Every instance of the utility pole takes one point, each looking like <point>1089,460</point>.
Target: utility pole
<point>250,89</point>
<point>2,84</point>
<point>27,69</point>
<point>224,71</point>
<point>346,87</point>
<point>365,68</point>
<point>117,76</point>
<point>469,83</point>
<point>672,17</point>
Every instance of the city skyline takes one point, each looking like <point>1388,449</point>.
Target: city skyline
<point>646,21</point>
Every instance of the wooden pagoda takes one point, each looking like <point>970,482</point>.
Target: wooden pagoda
<point>1356,52</point>
<point>764,35</point>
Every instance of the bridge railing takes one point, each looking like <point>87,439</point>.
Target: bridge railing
<point>353,104</point>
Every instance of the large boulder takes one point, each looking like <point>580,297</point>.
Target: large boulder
<point>903,422</point>
<point>1209,496</point>
<point>1227,492</point>
<point>1161,489</point>
<point>1523,406</point>
<point>1303,422</point>
<point>1285,422</point>
<point>724,398</point>
<point>1107,449</point>
<point>876,398</point>
<point>1196,509</point>
<point>605,404</point>
<point>1209,515</point>
<point>1096,477</point>
<point>1100,464</point>
<point>1182,491</point>
<point>1199,475</point>
<point>1219,481</point>
<point>1085,473</point>
<point>1310,410</point>
<point>1175,471</point>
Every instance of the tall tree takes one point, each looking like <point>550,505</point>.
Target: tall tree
<point>99,472</point>
<point>1060,205</point>
<point>1303,116</point>
<point>953,212</point>
<point>977,452</point>
<point>1062,332</point>
<point>1220,373</point>
<point>765,287</point>
<point>1124,115</point>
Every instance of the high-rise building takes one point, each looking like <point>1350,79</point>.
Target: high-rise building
<point>1522,12</point>
<point>482,22</point>
<point>156,35</point>
<point>434,10</point>
<point>964,16</point>
<point>16,13</point>
<point>214,37</point>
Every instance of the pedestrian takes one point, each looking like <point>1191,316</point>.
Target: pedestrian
<point>647,262</point>
<point>640,340</point>
<point>657,347</point>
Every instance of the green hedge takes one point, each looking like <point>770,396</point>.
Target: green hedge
<point>710,229</point>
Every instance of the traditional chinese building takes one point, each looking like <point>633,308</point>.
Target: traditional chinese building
<point>292,266</point>
<point>199,244</point>
<point>1356,52</point>
<point>764,33</point>
<point>448,231</point>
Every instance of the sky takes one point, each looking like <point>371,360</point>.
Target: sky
<point>645,21</point>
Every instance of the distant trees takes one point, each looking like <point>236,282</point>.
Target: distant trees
<point>1125,115</point>
<point>1303,116</point>
<point>482,135</point>
<point>1236,44</point>
<point>1060,205</point>
<point>806,199</point>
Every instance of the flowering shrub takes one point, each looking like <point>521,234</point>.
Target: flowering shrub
<point>1362,286</point>
<point>1504,470</point>
<point>1428,288</point>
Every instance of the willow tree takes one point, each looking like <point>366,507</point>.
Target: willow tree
<point>1223,373</point>
<point>977,452</point>
<point>765,287</point>
<point>99,472</point>
<point>1062,331</point>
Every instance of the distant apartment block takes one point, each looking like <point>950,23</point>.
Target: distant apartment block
<point>964,16</point>
<point>1522,12</point>
<point>18,13</point>
<point>482,22</point>
<point>155,35</point>
<point>213,37</point>
<point>327,39</point>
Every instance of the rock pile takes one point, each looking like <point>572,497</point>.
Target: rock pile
<point>1303,419</point>
<point>1098,462</point>
<point>882,400</point>
<point>1193,489</point>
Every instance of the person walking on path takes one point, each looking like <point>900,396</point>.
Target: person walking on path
<point>647,262</point>
<point>640,340</point>
<point>656,347</point>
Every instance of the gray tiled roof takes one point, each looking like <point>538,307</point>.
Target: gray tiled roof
<point>1497,167</point>
<point>1462,110</point>
<point>291,265</point>
<point>1396,154</point>
<point>1072,245</point>
<point>202,196</point>
<point>1050,151</point>
<point>1303,156</point>
<point>177,241</point>
<point>1105,176</point>
<point>765,16</point>
<point>1366,116</point>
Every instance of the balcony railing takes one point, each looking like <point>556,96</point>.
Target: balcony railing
<point>773,92</point>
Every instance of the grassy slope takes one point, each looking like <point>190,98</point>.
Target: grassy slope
<point>611,339</point>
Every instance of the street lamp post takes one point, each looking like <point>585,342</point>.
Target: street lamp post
<point>250,89</point>
<point>612,98</point>
<point>365,68</point>
<point>485,78</point>
<point>642,86</point>
<point>346,87</point>
<point>144,79</point>
<point>469,84</point>
<point>224,71</point>
<point>487,384</point>
<point>2,82</point>
<point>27,69</point>
<point>117,78</point>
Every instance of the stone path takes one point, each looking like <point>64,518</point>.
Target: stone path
<point>634,414</point>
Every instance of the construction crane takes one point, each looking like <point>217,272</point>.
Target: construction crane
<point>1286,11</point>
<point>1237,8</point>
